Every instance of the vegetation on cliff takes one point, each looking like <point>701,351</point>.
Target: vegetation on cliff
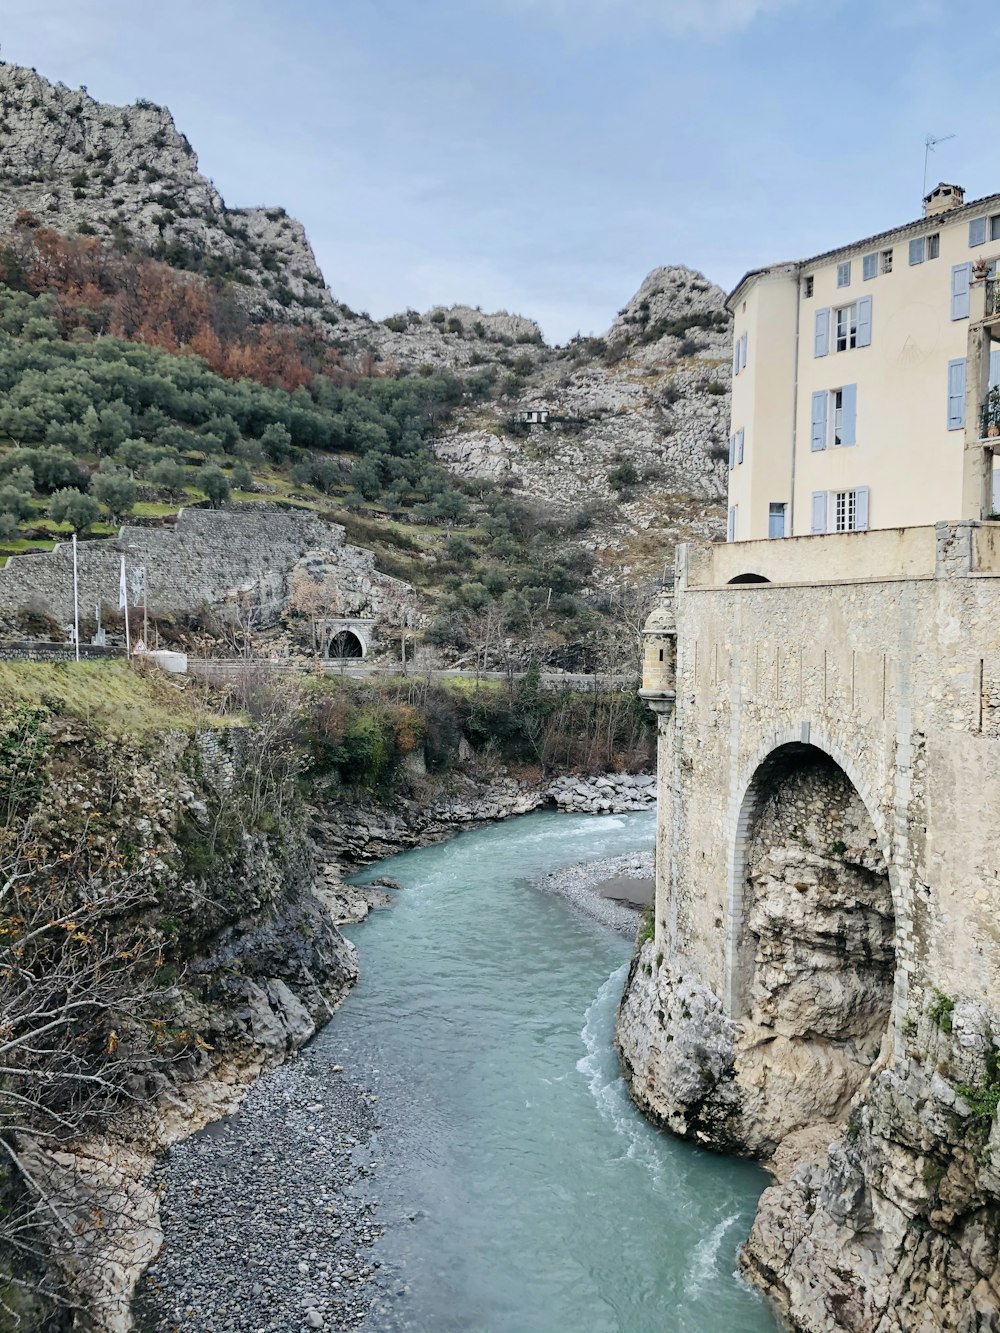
<point>137,825</point>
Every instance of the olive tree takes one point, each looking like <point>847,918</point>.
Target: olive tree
<point>116,491</point>
<point>73,507</point>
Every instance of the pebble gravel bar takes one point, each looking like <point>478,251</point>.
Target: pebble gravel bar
<point>267,1216</point>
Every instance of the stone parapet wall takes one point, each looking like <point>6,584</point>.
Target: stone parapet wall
<point>40,650</point>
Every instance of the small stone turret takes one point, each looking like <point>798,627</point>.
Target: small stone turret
<point>659,661</point>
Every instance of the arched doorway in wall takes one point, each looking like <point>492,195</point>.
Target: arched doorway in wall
<point>749,578</point>
<point>811,952</point>
<point>345,644</point>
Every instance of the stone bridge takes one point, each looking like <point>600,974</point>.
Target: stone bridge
<point>826,954</point>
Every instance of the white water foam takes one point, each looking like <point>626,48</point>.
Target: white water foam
<point>705,1260</point>
<point>607,1087</point>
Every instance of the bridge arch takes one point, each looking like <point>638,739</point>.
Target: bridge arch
<point>835,895</point>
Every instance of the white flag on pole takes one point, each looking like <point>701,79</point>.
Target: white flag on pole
<point>122,588</point>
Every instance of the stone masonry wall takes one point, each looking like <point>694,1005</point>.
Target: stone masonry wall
<point>205,557</point>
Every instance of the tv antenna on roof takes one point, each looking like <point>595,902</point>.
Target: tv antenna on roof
<point>930,143</point>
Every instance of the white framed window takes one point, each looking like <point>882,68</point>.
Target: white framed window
<point>925,247</point>
<point>844,273</point>
<point>885,261</point>
<point>852,325</point>
<point>846,328</point>
<point>777,513</point>
<point>845,508</point>
<point>977,231</point>
<point>834,418</point>
<point>995,227</point>
<point>869,266</point>
<point>850,510</point>
<point>837,406</point>
<point>840,511</point>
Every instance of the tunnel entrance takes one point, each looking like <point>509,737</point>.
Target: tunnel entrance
<point>814,956</point>
<point>345,643</point>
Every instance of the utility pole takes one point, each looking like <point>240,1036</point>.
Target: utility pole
<point>76,603</point>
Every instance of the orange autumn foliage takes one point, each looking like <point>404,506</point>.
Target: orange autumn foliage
<point>135,297</point>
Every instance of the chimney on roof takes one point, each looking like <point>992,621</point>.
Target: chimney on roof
<point>942,199</point>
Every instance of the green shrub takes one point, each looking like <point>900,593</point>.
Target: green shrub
<point>623,476</point>
<point>941,1010</point>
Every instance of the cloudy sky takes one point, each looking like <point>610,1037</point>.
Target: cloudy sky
<point>543,155</point>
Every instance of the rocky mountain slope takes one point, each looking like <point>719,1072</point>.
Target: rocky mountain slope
<point>636,429</point>
<point>128,175</point>
<point>635,441</point>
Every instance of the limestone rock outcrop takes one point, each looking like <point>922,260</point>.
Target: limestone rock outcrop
<point>901,1213</point>
<point>127,173</point>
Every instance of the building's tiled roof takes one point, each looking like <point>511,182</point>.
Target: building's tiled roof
<point>894,233</point>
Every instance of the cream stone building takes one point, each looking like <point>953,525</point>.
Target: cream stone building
<point>862,379</point>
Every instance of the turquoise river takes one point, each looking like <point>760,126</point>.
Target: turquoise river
<point>520,1190</point>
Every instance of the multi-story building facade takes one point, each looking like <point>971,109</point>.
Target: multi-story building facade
<point>862,378</point>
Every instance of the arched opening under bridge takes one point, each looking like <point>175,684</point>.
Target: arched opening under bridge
<point>811,946</point>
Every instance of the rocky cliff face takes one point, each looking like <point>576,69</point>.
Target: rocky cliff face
<point>126,174</point>
<point>251,965</point>
<point>898,1216</point>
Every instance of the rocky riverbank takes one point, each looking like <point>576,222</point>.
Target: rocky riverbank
<point>268,1216</point>
<point>357,833</point>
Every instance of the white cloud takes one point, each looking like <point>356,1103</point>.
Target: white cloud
<point>702,18</point>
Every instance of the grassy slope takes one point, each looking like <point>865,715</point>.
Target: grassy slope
<point>116,699</point>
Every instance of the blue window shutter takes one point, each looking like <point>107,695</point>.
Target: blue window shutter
<point>740,436</point>
<point>994,368</point>
<point>731,529</point>
<point>956,394</point>
<point>865,322</point>
<point>819,511</point>
<point>869,266</point>
<point>917,247</point>
<point>849,414</point>
<point>743,352</point>
<point>977,231</point>
<point>961,276</point>
<point>736,358</point>
<point>817,434</point>
<point>732,452</point>
<point>821,339</point>
<point>861,509</point>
